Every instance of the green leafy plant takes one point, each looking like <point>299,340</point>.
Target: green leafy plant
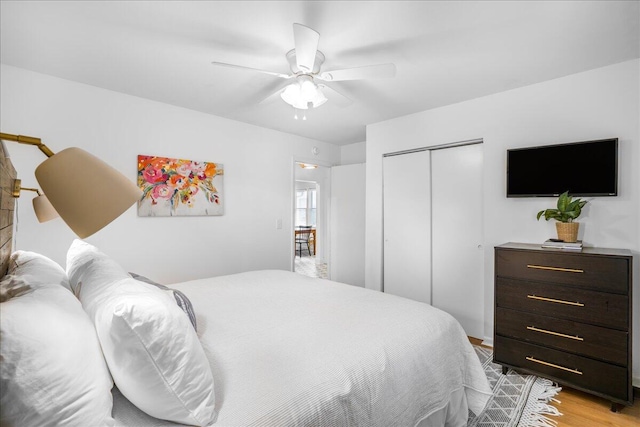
<point>568,209</point>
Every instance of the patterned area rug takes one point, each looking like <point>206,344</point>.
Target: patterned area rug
<point>517,400</point>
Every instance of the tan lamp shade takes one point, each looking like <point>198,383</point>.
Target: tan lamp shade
<point>86,192</point>
<point>43,209</point>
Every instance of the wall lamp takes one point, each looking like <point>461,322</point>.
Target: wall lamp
<point>41,205</point>
<point>86,192</point>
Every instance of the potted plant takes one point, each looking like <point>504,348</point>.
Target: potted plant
<point>566,213</point>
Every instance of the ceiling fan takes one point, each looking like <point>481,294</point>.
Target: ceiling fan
<point>305,61</point>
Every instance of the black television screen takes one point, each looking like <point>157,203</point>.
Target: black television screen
<point>587,168</point>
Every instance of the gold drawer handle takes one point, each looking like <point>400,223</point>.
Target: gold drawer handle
<point>544,331</point>
<point>544,267</point>
<point>542,362</point>
<point>559,301</point>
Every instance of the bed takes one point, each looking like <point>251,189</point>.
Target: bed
<point>266,348</point>
<point>292,350</point>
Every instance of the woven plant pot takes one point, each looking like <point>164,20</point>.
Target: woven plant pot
<point>567,231</point>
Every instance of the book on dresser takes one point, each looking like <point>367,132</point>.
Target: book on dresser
<point>566,316</point>
<point>560,244</point>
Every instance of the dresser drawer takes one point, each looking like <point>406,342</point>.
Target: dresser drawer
<point>609,345</point>
<point>596,308</point>
<point>585,271</point>
<point>601,377</point>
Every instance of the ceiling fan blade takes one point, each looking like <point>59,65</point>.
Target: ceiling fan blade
<point>271,73</point>
<point>306,42</point>
<point>334,96</point>
<point>380,71</point>
<point>272,94</point>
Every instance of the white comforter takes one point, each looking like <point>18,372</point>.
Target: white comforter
<point>287,350</point>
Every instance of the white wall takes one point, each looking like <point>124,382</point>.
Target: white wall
<point>348,224</point>
<point>601,103</point>
<point>258,180</point>
<point>353,153</point>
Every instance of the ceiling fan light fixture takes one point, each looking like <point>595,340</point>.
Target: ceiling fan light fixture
<point>291,94</point>
<point>303,94</point>
<point>308,89</point>
<point>307,166</point>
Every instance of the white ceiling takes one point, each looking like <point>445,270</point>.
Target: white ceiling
<point>445,51</point>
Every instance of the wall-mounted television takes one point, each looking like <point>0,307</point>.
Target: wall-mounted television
<point>588,168</point>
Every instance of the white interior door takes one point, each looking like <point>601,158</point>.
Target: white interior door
<point>458,256</point>
<point>347,224</point>
<point>407,226</point>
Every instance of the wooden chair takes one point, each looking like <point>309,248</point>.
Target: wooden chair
<point>303,236</point>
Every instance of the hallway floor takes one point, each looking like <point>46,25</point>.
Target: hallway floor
<point>306,265</point>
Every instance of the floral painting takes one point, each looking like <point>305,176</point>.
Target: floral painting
<point>177,187</point>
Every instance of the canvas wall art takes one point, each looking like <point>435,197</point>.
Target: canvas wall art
<point>177,187</point>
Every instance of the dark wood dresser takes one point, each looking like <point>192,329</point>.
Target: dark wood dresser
<point>566,316</point>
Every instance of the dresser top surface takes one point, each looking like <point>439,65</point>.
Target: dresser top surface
<point>585,250</point>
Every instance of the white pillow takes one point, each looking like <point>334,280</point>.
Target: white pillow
<point>86,261</point>
<point>52,371</point>
<point>37,269</point>
<point>152,350</point>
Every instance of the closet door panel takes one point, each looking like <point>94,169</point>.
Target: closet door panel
<point>407,225</point>
<point>458,254</point>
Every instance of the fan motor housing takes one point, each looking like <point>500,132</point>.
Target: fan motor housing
<point>293,63</point>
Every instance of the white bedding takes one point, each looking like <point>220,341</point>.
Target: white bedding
<point>287,350</point>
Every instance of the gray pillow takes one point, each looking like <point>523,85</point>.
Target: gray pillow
<point>181,299</point>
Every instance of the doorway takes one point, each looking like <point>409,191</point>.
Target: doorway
<point>310,219</point>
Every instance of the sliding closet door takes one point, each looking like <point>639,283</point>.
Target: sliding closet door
<point>458,256</point>
<point>406,222</point>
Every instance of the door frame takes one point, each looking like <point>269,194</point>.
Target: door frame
<point>292,209</point>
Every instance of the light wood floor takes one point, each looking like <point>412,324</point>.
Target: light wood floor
<point>581,409</point>
<point>584,410</point>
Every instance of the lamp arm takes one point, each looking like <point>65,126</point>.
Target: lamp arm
<point>17,187</point>
<point>29,140</point>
